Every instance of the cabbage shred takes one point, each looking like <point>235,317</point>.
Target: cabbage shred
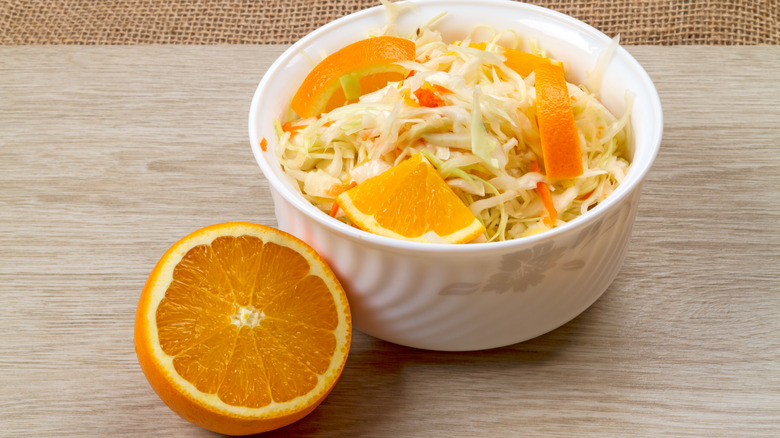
<point>483,140</point>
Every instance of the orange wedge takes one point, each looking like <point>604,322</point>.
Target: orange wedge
<point>242,328</point>
<point>410,201</point>
<point>558,133</point>
<point>357,69</point>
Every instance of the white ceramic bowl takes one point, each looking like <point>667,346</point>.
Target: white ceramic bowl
<point>473,296</point>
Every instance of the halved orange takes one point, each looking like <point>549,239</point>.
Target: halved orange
<point>357,69</point>
<point>242,328</point>
<point>409,201</point>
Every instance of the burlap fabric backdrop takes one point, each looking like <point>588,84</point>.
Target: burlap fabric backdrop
<point>660,22</point>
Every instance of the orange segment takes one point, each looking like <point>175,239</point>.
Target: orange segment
<point>407,202</point>
<point>367,65</point>
<point>522,62</point>
<point>242,328</point>
<point>559,137</point>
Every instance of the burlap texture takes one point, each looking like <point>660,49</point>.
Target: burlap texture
<point>657,22</point>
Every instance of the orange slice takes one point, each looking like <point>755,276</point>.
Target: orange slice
<point>242,328</point>
<point>357,69</point>
<point>409,201</point>
<point>558,133</point>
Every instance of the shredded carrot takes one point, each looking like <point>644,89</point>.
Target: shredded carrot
<point>428,97</point>
<point>264,144</point>
<point>441,89</point>
<point>411,73</point>
<point>289,127</point>
<point>544,193</point>
<point>334,209</point>
<point>585,196</point>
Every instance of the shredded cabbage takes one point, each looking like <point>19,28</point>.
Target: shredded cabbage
<point>482,141</point>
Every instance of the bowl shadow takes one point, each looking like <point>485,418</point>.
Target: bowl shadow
<point>371,387</point>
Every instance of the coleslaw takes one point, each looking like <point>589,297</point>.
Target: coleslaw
<point>482,136</point>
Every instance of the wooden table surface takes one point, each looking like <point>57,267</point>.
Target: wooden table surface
<point>110,154</point>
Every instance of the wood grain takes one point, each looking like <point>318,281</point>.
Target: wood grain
<point>110,154</point>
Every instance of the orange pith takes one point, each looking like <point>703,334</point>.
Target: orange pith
<point>558,133</point>
<point>371,60</point>
<point>408,201</point>
<point>242,328</point>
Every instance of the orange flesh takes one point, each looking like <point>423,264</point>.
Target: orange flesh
<point>390,199</point>
<point>558,133</point>
<point>237,329</point>
<point>523,62</point>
